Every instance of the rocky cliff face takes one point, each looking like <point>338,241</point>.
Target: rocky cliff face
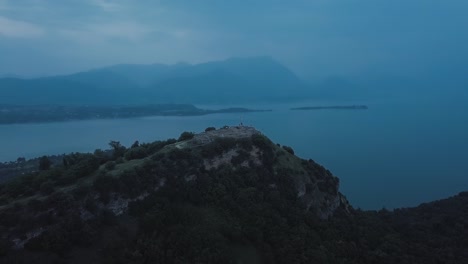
<point>315,186</point>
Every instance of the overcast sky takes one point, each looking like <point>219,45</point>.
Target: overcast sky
<point>315,38</point>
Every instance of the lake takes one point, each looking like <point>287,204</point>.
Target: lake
<point>392,155</point>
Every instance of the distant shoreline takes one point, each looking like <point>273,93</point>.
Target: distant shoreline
<point>340,107</point>
<point>14,114</point>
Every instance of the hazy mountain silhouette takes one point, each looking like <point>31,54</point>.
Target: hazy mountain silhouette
<point>48,91</point>
<point>234,80</point>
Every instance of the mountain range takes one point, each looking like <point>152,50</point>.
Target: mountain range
<point>234,80</point>
<point>229,81</point>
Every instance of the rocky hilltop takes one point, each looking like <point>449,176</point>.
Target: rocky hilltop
<point>316,187</point>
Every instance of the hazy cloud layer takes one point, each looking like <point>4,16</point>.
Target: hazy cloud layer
<point>314,38</point>
<point>10,28</point>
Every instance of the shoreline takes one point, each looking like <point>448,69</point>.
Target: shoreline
<point>15,115</point>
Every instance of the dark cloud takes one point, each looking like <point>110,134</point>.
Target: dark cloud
<point>314,38</point>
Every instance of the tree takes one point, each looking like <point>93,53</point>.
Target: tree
<point>288,149</point>
<point>118,149</point>
<point>115,144</point>
<point>101,156</point>
<point>44,163</point>
<point>136,144</point>
<point>110,165</point>
<point>186,136</point>
<point>136,153</point>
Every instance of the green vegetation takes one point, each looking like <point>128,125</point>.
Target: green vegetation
<point>44,163</point>
<point>288,149</point>
<point>232,200</point>
<point>186,136</point>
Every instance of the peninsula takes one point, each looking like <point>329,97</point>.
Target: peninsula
<point>14,114</point>
<point>340,107</point>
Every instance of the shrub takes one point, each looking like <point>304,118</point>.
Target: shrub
<point>86,167</point>
<point>81,191</point>
<point>105,184</point>
<point>47,187</point>
<point>245,143</point>
<point>186,136</point>
<point>136,153</point>
<point>110,165</point>
<point>135,144</point>
<point>44,163</point>
<point>100,155</point>
<point>90,205</point>
<point>261,142</point>
<point>61,201</point>
<point>35,205</point>
<point>218,146</point>
<point>157,145</point>
<point>242,156</point>
<point>210,129</point>
<point>66,179</point>
<point>118,149</point>
<point>107,218</point>
<point>5,246</point>
<point>288,149</point>
<point>81,165</point>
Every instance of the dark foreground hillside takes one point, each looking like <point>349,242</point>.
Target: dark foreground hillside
<point>222,196</point>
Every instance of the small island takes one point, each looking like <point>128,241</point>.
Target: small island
<point>16,114</point>
<point>339,107</point>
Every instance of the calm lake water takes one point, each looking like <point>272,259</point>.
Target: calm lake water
<point>391,155</point>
